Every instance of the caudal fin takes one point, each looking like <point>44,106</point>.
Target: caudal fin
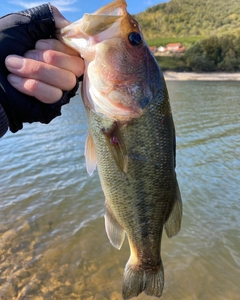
<point>136,280</point>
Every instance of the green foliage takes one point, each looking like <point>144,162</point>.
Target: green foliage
<point>172,63</point>
<point>189,22</point>
<point>214,54</point>
<point>190,18</point>
<point>207,55</point>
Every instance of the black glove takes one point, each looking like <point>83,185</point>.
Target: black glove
<point>18,33</point>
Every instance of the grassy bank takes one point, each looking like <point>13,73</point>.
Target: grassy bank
<point>171,63</point>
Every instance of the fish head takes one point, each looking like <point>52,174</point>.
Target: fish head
<point>118,78</point>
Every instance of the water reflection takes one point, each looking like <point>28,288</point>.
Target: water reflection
<point>52,238</point>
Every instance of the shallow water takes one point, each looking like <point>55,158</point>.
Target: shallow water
<point>53,243</point>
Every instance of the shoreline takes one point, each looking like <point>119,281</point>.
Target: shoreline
<point>185,76</point>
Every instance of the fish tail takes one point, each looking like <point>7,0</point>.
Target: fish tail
<point>137,280</point>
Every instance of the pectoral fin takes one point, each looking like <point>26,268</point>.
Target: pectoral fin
<point>173,223</point>
<point>117,147</point>
<point>115,232</point>
<point>90,155</point>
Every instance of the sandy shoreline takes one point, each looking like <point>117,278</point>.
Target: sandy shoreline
<point>182,76</point>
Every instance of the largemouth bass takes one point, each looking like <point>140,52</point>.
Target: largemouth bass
<point>131,140</point>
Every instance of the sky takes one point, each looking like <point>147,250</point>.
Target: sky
<point>74,9</point>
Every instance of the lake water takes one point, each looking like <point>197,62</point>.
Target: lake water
<point>53,243</point>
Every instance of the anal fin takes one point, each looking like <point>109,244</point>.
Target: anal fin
<point>115,232</point>
<point>173,223</point>
<point>90,155</point>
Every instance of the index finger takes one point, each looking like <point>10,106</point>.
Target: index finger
<point>52,44</point>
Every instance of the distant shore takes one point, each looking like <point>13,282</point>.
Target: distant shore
<point>184,76</point>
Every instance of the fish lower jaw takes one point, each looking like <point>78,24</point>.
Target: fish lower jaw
<point>115,108</point>
<point>122,115</point>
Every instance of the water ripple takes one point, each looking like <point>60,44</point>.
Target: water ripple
<point>52,238</point>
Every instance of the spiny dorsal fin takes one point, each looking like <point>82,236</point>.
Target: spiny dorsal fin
<point>90,155</point>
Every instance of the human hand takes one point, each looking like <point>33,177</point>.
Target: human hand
<point>48,70</point>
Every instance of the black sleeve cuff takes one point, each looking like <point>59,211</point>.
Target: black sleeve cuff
<point>67,95</point>
<point>3,122</point>
<point>19,33</point>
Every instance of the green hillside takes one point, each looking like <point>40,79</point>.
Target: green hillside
<point>185,18</point>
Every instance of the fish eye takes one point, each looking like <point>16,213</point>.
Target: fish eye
<point>135,38</point>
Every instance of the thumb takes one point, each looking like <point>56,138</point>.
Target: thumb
<point>60,21</point>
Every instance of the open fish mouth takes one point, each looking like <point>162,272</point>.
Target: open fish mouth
<point>107,40</point>
<point>99,21</point>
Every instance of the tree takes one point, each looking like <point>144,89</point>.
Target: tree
<point>214,53</point>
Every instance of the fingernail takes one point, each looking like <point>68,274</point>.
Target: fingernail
<point>43,45</point>
<point>14,62</point>
<point>32,54</point>
<point>13,79</point>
